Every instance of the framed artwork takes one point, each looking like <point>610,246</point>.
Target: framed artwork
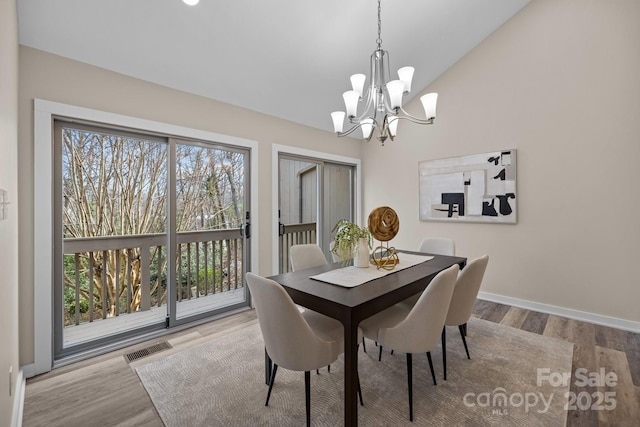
<point>473,188</point>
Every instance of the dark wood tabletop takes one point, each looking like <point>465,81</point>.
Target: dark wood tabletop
<point>352,305</point>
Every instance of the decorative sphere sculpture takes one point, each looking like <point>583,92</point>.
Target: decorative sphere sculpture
<point>384,225</point>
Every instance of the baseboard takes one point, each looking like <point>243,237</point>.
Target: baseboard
<point>612,322</point>
<point>29,371</point>
<point>18,402</point>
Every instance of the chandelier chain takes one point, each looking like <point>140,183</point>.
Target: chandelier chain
<point>379,40</point>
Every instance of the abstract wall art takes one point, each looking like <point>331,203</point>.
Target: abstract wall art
<point>473,188</point>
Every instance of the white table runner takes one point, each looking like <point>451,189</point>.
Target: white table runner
<point>351,276</point>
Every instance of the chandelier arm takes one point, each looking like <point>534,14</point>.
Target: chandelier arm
<point>414,119</point>
<point>365,112</point>
<point>349,131</point>
<point>387,103</point>
<point>385,91</point>
<point>373,130</point>
<point>357,125</point>
<point>386,131</point>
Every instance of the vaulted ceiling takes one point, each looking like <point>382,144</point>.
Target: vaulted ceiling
<point>287,58</point>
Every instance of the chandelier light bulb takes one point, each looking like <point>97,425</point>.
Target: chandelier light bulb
<point>395,89</point>
<point>191,2</point>
<point>338,120</point>
<point>357,83</point>
<point>367,127</point>
<point>429,104</point>
<point>393,125</point>
<point>405,74</point>
<point>351,98</point>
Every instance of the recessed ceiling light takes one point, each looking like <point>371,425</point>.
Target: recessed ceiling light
<point>191,2</point>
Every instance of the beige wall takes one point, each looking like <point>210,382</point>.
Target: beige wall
<point>54,78</point>
<point>559,82</point>
<point>9,226</point>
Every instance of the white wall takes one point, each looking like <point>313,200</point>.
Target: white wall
<point>9,226</point>
<point>558,82</point>
<point>53,78</point>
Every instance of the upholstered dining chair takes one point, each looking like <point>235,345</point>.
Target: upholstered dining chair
<point>433,245</point>
<point>438,245</point>
<point>294,340</point>
<point>306,256</point>
<point>416,329</point>
<point>464,297</point>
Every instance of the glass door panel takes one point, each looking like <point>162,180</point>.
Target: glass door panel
<point>313,196</point>
<point>210,240</point>
<point>337,200</point>
<point>110,219</point>
<point>298,195</point>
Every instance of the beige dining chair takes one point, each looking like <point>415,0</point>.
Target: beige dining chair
<point>438,245</point>
<point>464,297</point>
<point>293,340</point>
<point>415,330</point>
<point>306,256</point>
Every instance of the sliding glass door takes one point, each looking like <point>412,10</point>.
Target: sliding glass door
<point>313,195</point>
<point>149,232</point>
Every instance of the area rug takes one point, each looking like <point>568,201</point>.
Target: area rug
<point>506,382</point>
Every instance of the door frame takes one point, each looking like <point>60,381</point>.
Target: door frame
<point>43,239</point>
<point>276,151</point>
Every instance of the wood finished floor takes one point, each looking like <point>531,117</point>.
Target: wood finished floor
<point>105,390</point>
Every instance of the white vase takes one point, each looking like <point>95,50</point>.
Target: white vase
<point>362,254</point>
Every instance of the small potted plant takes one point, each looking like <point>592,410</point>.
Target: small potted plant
<point>351,239</point>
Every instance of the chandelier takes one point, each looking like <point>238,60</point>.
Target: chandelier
<point>383,100</point>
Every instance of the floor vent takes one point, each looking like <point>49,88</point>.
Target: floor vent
<point>139,354</point>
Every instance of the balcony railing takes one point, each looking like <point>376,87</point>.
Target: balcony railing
<point>111,276</point>
<point>294,234</point>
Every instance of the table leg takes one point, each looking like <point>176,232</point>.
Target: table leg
<point>350,373</point>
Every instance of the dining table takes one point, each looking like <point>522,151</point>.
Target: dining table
<point>352,304</point>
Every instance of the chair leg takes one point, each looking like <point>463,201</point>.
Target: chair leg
<point>364,347</point>
<point>307,395</point>
<point>271,381</point>
<point>267,367</point>
<point>360,391</point>
<point>433,375</point>
<point>410,385</point>
<point>328,370</point>
<point>444,351</point>
<point>380,353</point>
<point>463,333</point>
